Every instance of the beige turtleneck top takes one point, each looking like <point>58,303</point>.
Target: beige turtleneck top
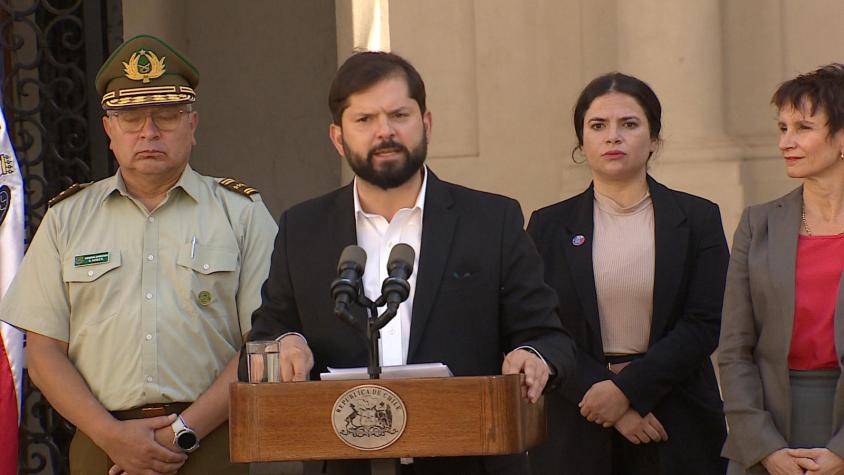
<point>623,259</point>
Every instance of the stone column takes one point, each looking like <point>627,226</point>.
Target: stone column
<point>676,48</point>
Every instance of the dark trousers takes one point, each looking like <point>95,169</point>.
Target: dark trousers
<point>494,465</point>
<point>632,459</point>
<point>212,457</point>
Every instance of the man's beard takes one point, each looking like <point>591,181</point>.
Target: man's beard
<point>390,175</point>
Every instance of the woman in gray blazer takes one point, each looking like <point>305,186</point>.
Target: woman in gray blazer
<point>782,335</point>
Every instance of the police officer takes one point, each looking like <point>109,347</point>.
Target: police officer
<point>137,290</point>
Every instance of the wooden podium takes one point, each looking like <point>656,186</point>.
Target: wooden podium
<point>482,415</point>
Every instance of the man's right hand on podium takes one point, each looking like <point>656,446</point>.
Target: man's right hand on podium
<point>295,358</point>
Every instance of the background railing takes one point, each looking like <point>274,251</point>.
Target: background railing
<point>51,51</point>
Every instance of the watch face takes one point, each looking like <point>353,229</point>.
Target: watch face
<point>186,440</point>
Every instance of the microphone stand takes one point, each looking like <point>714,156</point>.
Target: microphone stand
<point>394,290</point>
<point>374,325</point>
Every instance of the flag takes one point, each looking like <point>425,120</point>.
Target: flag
<point>11,343</point>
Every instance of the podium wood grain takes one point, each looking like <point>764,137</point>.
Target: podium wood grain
<point>483,415</point>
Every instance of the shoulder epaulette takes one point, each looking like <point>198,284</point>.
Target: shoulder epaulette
<point>237,187</point>
<point>70,191</point>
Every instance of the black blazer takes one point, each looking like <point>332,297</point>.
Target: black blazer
<point>479,291</point>
<point>675,379</point>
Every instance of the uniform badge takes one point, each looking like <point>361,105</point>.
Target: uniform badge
<point>144,65</point>
<point>5,202</point>
<point>578,240</point>
<point>237,187</point>
<point>91,259</point>
<point>204,298</point>
<point>72,190</point>
<point>7,164</point>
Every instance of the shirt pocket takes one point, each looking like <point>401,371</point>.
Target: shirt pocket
<point>92,283</point>
<point>207,259</point>
<point>72,272</point>
<point>209,277</point>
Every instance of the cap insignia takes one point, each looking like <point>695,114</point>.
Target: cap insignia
<point>144,65</point>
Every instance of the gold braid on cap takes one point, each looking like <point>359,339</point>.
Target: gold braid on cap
<point>149,95</point>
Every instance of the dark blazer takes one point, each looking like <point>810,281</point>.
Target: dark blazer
<point>756,335</point>
<point>479,292</point>
<point>675,379</point>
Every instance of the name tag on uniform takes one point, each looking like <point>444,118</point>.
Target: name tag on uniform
<point>91,259</point>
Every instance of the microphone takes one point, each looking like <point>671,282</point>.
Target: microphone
<point>347,286</point>
<point>395,288</point>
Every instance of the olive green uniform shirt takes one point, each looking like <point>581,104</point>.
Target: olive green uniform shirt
<point>152,305</point>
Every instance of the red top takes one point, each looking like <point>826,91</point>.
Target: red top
<point>820,260</point>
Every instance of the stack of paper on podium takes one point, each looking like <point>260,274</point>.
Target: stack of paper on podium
<point>420,370</point>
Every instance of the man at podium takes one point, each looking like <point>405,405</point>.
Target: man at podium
<point>477,299</point>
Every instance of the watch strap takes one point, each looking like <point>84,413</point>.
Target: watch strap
<point>179,428</point>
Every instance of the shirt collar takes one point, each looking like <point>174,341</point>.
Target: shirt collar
<point>189,182</point>
<point>420,198</point>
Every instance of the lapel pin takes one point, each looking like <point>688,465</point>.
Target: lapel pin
<point>578,240</point>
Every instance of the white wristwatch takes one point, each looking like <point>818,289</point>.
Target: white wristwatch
<point>186,439</point>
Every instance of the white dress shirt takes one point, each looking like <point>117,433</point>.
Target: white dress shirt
<point>377,237</point>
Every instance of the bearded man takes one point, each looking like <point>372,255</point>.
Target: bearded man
<point>477,299</point>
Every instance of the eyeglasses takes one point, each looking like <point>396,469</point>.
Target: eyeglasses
<point>133,120</point>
